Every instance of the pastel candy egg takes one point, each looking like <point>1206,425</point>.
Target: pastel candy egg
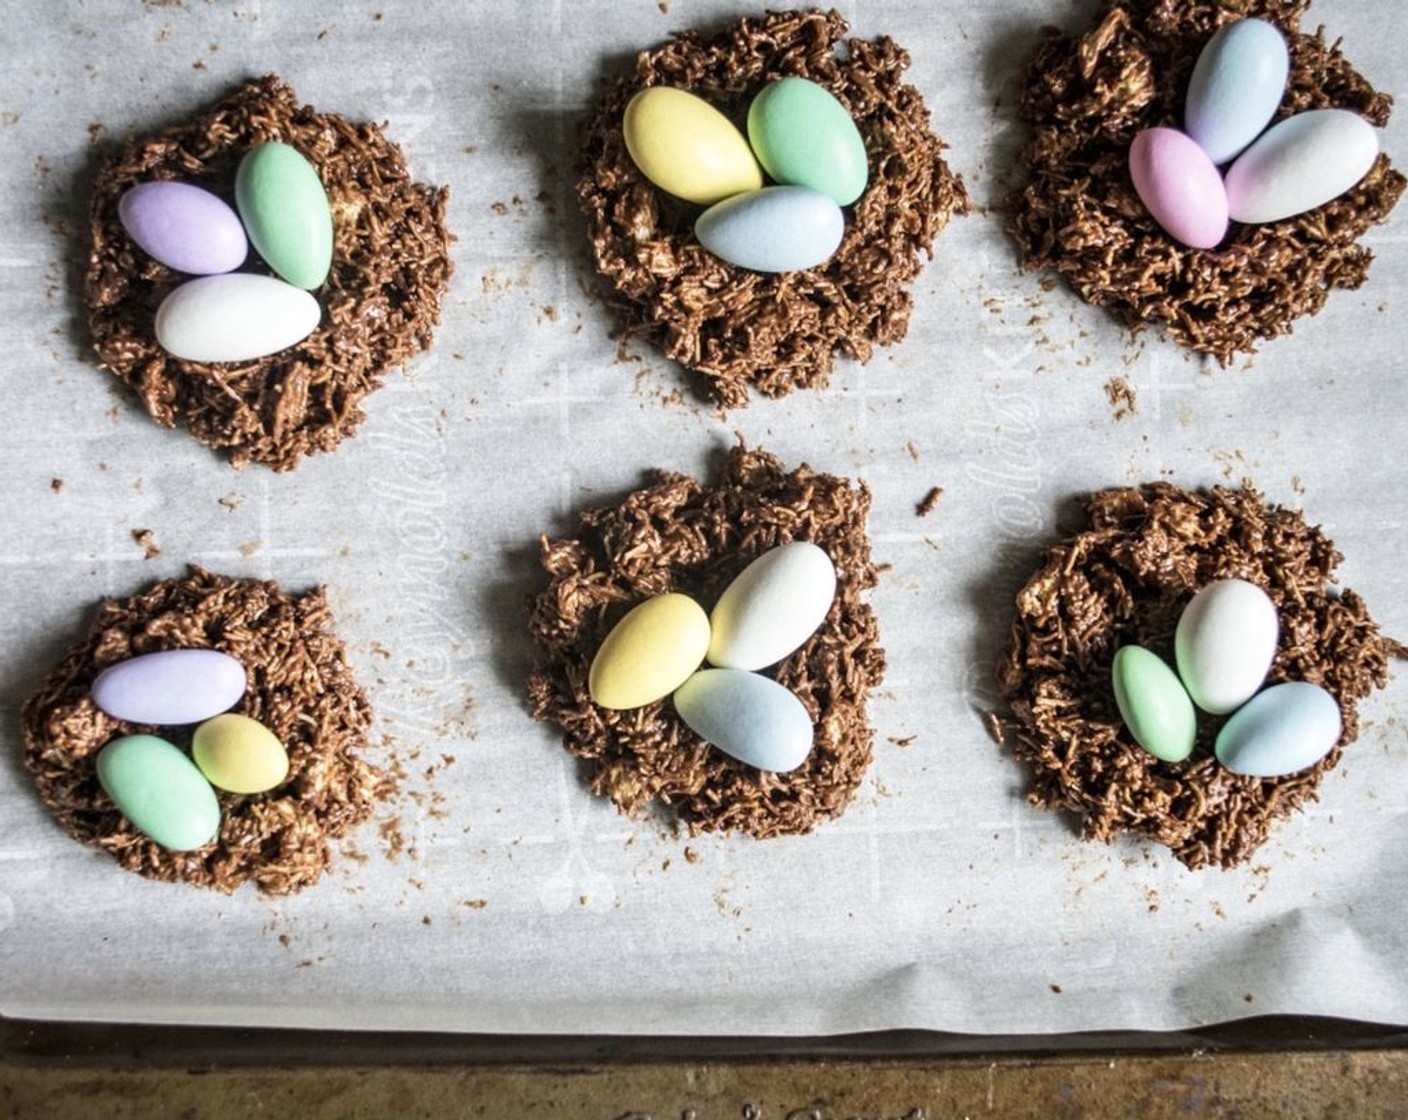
<point>776,229</point>
<point>1284,729</point>
<point>685,146</point>
<point>239,754</point>
<point>750,717</point>
<point>234,317</point>
<point>173,686</point>
<point>650,652</point>
<point>1224,643</point>
<point>156,787</point>
<point>184,227</point>
<point>1154,704</point>
<point>1301,163</point>
<point>804,137</point>
<point>1236,86</point>
<point>772,607</point>
<point>285,208</point>
<point>1179,186</point>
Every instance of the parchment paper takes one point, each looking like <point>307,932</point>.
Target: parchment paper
<point>941,899</point>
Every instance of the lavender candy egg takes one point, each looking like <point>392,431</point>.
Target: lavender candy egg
<point>174,686</point>
<point>1236,86</point>
<point>1180,186</point>
<point>184,227</point>
<point>1300,163</point>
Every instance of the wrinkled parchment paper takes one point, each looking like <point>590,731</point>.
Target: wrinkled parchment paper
<point>516,901</point>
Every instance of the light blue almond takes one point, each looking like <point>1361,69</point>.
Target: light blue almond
<point>804,137</point>
<point>1281,730</point>
<point>1154,704</point>
<point>776,229</point>
<point>285,211</point>
<point>158,788</point>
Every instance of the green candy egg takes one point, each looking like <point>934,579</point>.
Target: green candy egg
<point>156,787</point>
<point>804,137</point>
<point>1154,704</point>
<point>285,212</point>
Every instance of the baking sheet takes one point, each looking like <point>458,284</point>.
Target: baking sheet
<point>519,903</point>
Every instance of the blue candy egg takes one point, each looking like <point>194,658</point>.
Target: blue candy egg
<point>1279,731</point>
<point>748,716</point>
<point>776,229</point>
<point>1236,86</point>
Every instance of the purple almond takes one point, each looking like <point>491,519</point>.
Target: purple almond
<point>184,227</point>
<point>172,687</point>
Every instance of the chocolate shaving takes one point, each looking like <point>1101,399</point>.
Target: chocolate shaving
<point>1125,580</point>
<point>300,687</point>
<point>679,535</point>
<point>380,301</point>
<point>774,332</point>
<point>1088,96</point>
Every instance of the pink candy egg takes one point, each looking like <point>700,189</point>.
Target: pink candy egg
<point>1180,186</point>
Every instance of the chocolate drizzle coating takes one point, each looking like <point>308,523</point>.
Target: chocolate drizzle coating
<point>1086,98</point>
<point>740,328</point>
<point>380,301</point>
<point>679,535</point>
<point>300,687</point>
<point>1125,580</point>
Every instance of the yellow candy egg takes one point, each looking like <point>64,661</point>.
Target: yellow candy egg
<point>687,147</point>
<point>239,754</point>
<point>650,652</point>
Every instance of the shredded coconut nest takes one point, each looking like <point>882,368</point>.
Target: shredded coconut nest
<point>380,301</point>
<point>1087,97</point>
<point>680,535</point>
<point>775,332</point>
<point>1125,580</point>
<point>300,687</point>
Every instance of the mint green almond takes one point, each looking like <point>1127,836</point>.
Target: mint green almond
<point>1154,704</point>
<point>804,137</point>
<point>158,788</point>
<point>285,211</point>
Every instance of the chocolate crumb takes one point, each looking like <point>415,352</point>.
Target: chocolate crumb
<point>1056,989</point>
<point>380,302</point>
<point>680,535</point>
<point>1126,579</point>
<point>1086,98</point>
<point>691,856</point>
<point>56,485</point>
<point>778,332</point>
<point>995,728</point>
<point>929,502</point>
<point>1120,393</point>
<point>301,688</point>
<point>146,540</point>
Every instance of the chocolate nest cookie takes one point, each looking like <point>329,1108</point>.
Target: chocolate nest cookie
<point>1087,97</point>
<point>680,535</point>
<point>1126,579</point>
<point>300,687</point>
<point>380,301</point>
<point>775,332</point>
